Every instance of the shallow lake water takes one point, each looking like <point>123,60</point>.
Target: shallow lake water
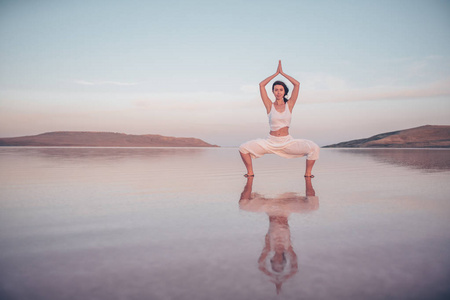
<point>183,223</point>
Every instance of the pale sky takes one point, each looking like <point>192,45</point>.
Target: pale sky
<point>192,68</point>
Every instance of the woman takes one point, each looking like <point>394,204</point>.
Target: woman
<point>279,141</point>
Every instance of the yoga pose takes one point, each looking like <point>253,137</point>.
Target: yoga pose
<point>279,141</point>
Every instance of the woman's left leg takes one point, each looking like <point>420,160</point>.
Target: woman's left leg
<point>309,166</point>
<point>298,148</point>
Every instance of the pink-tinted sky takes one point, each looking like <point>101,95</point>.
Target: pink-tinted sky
<point>192,68</point>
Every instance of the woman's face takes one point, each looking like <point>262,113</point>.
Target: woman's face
<point>278,91</point>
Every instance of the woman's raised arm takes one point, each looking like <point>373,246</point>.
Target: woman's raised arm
<point>296,89</point>
<point>262,89</point>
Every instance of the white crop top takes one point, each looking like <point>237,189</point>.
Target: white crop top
<point>279,120</point>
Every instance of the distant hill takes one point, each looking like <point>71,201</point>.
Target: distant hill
<point>428,136</point>
<point>102,139</point>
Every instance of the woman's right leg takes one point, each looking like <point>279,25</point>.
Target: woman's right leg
<point>247,159</point>
<point>252,149</point>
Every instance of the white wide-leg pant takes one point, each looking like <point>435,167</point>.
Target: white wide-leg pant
<point>284,146</point>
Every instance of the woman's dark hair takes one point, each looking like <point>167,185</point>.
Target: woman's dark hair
<point>286,89</point>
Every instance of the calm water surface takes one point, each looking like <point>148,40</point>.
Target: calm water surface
<point>152,223</point>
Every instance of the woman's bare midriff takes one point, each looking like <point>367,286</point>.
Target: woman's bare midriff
<point>280,132</point>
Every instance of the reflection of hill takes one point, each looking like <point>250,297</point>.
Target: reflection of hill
<point>428,136</point>
<point>426,159</point>
<point>101,139</point>
<point>106,153</point>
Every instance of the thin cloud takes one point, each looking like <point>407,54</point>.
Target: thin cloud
<point>435,89</point>
<point>85,82</point>
<point>191,101</point>
<point>250,88</point>
<point>329,90</point>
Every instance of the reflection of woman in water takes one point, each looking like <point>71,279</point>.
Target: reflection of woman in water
<point>278,259</point>
<point>279,141</point>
